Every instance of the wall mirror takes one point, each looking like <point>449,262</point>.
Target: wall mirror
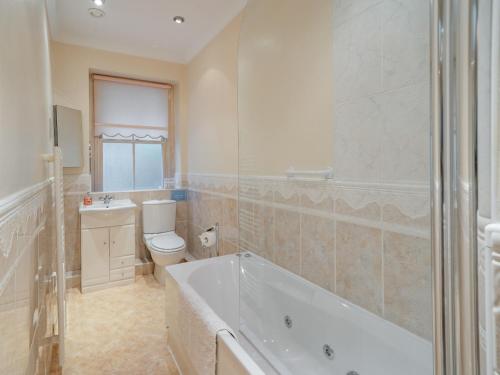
<point>68,135</point>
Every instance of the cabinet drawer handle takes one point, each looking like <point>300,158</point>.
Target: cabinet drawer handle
<point>105,243</point>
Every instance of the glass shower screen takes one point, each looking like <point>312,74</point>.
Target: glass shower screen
<point>334,187</point>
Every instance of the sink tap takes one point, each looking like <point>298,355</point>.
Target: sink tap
<point>106,199</point>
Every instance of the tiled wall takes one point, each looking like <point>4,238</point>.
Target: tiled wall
<point>28,307</point>
<point>212,199</point>
<point>381,71</point>
<point>367,243</point>
<point>381,125</point>
<point>76,186</point>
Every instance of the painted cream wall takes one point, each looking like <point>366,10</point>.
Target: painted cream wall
<point>27,242</point>
<point>72,65</point>
<point>285,86</point>
<point>25,94</point>
<point>212,105</point>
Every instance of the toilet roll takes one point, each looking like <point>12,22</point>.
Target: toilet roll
<point>208,239</point>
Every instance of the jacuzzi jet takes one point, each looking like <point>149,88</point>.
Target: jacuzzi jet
<point>288,321</point>
<point>329,353</point>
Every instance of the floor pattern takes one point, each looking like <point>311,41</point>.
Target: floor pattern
<point>119,330</point>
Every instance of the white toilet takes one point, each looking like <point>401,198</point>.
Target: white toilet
<point>166,247</point>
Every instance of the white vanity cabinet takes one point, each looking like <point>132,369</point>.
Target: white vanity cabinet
<point>107,247</point>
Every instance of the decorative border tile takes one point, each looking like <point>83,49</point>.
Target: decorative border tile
<point>20,214</point>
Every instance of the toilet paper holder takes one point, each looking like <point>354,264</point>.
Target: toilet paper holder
<point>213,229</point>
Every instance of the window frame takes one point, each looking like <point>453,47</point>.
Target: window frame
<point>134,142</point>
<point>96,143</point>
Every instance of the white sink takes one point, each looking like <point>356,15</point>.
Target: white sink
<point>114,205</point>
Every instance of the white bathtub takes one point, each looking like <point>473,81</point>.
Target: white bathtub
<point>285,324</point>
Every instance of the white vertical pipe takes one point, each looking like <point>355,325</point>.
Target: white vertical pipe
<point>495,61</point>
<point>61,287</point>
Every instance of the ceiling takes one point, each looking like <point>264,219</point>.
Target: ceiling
<point>143,27</point>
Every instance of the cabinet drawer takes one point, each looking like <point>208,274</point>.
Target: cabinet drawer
<point>107,219</point>
<point>122,262</point>
<point>122,274</point>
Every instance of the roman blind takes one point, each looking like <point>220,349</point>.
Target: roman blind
<point>129,109</point>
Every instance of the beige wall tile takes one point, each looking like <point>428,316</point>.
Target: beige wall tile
<point>227,247</point>
<point>229,225</point>
<point>181,228</point>
<point>317,250</point>
<point>264,231</point>
<point>287,239</point>
<point>407,283</point>
<point>194,244</point>
<point>159,194</point>
<point>214,213</point>
<point>72,231</point>
<point>359,265</point>
<point>193,207</point>
<point>181,210</point>
<point>247,226</point>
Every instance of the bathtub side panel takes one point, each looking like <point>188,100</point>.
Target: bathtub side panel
<point>232,359</point>
<point>175,328</point>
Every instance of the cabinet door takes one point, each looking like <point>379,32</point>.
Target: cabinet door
<point>122,240</point>
<point>95,256</point>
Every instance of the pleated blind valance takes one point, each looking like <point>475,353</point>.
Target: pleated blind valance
<point>127,109</point>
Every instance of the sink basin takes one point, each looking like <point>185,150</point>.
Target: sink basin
<point>114,205</point>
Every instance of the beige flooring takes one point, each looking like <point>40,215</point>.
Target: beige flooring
<point>119,330</point>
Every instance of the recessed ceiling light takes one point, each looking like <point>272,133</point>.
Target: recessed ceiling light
<point>98,3</point>
<point>178,19</point>
<point>97,13</point>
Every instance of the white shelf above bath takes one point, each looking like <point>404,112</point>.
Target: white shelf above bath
<point>322,173</point>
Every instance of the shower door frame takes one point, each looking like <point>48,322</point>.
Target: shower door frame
<point>454,186</point>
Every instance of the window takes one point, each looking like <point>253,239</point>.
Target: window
<point>132,145</point>
<point>132,165</point>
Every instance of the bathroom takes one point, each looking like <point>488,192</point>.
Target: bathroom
<point>249,187</point>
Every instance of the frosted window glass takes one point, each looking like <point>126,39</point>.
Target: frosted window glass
<point>117,165</point>
<point>118,103</point>
<point>148,166</point>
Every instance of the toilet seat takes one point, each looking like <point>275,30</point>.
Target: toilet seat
<point>168,242</point>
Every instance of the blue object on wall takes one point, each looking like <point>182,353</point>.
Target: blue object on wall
<point>178,195</point>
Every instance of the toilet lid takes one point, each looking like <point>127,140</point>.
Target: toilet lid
<point>167,242</point>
